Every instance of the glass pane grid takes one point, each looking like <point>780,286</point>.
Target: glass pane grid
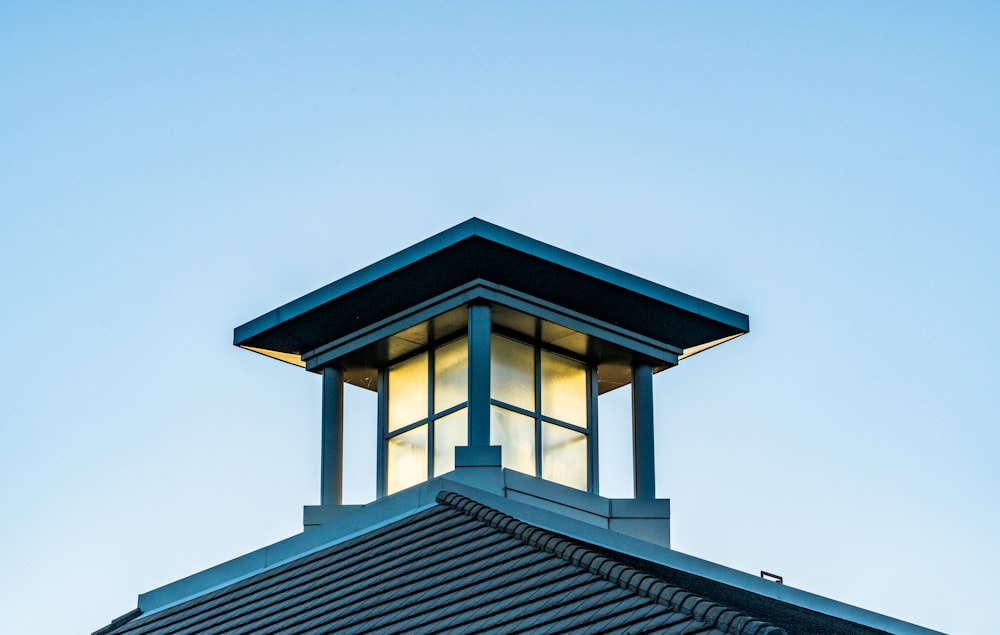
<point>426,418</point>
<point>540,405</point>
<point>539,414</point>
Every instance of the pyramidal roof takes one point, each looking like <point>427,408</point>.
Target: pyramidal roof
<point>458,566</point>
<point>478,252</point>
<point>447,557</point>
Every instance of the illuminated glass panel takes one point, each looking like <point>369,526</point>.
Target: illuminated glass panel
<point>512,372</point>
<point>449,431</point>
<point>564,456</point>
<point>515,434</point>
<point>408,392</point>
<point>564,389</point>
<point>451,374</point>
<point>538,415</point>
<point>539,412</point>
<point>441,374</point>
<point>406,460</point>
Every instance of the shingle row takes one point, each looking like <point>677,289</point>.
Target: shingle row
<point>457,567</point>
<point>728,620</point>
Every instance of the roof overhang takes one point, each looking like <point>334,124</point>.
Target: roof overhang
<point>479,254</point>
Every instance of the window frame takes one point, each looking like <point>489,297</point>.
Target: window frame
<point>589,432</point>
<point>431,417</point>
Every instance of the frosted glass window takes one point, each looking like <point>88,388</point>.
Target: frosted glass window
<point>451,374</point>
<point>408,392</point>
<point>512,372</point>
<point>449,432</point>
<point>564,456</point>
<point>406,459</point>
<point>538,413</point>
<point>515,434</point>
<point>564,389</point>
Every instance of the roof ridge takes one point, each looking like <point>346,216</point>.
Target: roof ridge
<point>701,608</point>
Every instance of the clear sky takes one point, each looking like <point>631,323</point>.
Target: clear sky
<point>170,171</point>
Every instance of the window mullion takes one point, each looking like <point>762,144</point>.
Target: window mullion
<point>431,360</point>
<point>406,428</point>
<point>381,476</point>
<point>538,411</point>
<point>593,476</point>
<point>564,424</point>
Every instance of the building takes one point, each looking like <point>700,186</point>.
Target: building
<point>488,351</point>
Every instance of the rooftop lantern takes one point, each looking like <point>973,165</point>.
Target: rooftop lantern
<point>488,349</point>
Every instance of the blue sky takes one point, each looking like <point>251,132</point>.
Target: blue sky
<point>172,171</point>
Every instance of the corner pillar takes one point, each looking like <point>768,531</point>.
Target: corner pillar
<point>479,452</point>
<point>332,457</point>
<point>642,432</point>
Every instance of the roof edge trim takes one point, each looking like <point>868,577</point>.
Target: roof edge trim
<point>475,227</point>
<point>277,554</point>
<point>359,278</point>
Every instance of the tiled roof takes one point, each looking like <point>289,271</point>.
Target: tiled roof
<point>458,566</point>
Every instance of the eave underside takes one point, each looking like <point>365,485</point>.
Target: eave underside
<point>425,271</point>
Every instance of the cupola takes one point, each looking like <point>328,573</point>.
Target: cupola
<point>488,352</point>
<point>488,349</point>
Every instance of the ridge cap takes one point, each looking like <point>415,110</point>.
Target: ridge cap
<point>624,576</point>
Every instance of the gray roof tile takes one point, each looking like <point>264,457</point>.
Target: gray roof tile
<point>459,566</point>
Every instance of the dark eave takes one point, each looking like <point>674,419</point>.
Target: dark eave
<point>476,249</point>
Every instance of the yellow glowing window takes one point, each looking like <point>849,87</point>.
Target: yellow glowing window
<point>427,414</point>
<point>539,411</point>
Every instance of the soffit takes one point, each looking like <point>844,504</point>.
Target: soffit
<point>477,250</point>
